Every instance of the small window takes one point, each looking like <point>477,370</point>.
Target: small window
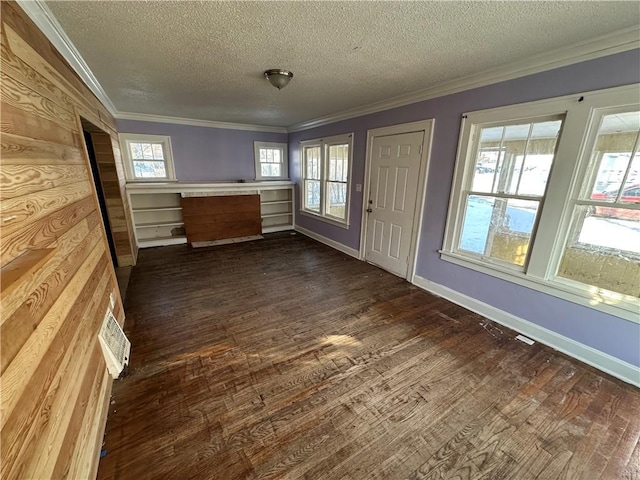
<point>325,184</point>
<point>147,157</point>
<point>271,161</point>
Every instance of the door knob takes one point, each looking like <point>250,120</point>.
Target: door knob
<point>369,210</point>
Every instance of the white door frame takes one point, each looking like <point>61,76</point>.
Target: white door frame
<point>425,126</point>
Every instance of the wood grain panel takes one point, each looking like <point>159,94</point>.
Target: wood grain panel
<point>20,370</point>
<point>14,67</point>
<point>70,344</point>
<point>19,238</point>
<point>26,209</point>
<point>24,265</point>
<point>18,180</point>
<point>18,95</point>
<point>17,327</point>
<point>23,123</point>
<point>27,48</point>
<point>219,217</point>
<point>17,150</point>
<point>219,204</point>
<point>57,275</point>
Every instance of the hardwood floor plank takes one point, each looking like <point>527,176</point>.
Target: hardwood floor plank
<point>283,358</point>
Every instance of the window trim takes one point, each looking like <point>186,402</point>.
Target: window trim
<point>257,145</point>
<point>325,143</point>
<point>564,185</point>
<point>165,140</point>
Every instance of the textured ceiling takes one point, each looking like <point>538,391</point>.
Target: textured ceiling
<point>204,60</point>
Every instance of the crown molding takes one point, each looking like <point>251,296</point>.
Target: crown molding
<point>145,117</point>
<point>39,12</point>
<point>609,44</point>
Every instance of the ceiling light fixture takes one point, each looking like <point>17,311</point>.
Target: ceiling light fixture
<point>278,78</point>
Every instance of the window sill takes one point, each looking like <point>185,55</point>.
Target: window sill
<point>622,306</point>
<point>322,218</point>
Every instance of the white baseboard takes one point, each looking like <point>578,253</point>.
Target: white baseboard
<point>327,241</point>
<point>589,355</point>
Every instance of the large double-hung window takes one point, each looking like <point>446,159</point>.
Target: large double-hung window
<point>326,167</point>
<point>547,194</point>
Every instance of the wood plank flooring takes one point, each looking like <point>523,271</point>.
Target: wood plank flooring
<point>283,358</point>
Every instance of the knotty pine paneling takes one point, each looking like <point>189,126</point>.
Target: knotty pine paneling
<point>56,269</point>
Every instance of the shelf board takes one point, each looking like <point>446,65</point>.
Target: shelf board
<point>271,215</point>
<point>161,241</point>
<point>274,202</point>
<point>156,209</point>
<point>160,224</point>
<point>277,228</point>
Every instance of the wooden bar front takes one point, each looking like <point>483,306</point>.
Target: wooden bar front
<point>212,218</point>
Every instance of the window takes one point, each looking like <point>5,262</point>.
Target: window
<point>512,166</point>
<point>326,167</point>
<point>147,157</point>
<point>603,247</point>
<point>546,195</point>
<point>271,161</point>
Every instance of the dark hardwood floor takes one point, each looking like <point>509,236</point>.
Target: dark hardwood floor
<point>283,358</point>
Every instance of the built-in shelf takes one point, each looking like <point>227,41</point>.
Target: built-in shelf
<point>157,211</point>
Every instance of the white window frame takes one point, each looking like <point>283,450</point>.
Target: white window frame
<point>284,163</point>
<point>165,140</point>
<point>582,112</point>
<point>324,144</point>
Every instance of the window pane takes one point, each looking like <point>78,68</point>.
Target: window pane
<point>136,150</point>
<point>312,159</point>
<point>147,151</point>
<point>611,155</point>
<point>498,228</point>
<point>336,199</point>
<point>605,250</point>
<point>157,152</point>
<point>312,197</point>
<point>270,170</point>
<point>516,159</point>
<point>149,169</point>
<point>338,162</point>
<point>631,191</point>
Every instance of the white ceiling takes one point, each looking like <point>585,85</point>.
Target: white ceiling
<point>205,60</point>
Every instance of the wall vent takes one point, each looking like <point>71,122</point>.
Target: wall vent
<point>115,345</point>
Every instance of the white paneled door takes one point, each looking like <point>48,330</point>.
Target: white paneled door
<point>393,189</point>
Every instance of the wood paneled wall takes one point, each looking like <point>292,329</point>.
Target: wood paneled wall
<point>57,273</point>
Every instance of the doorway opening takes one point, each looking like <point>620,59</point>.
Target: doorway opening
<point>102,163</point>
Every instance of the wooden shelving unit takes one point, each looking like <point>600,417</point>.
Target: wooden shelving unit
<point>157,212</point>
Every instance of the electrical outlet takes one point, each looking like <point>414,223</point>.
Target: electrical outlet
<point>358,187</point>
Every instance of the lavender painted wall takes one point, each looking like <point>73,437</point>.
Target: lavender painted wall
<point>617,337</point>
<point>202,154</point>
